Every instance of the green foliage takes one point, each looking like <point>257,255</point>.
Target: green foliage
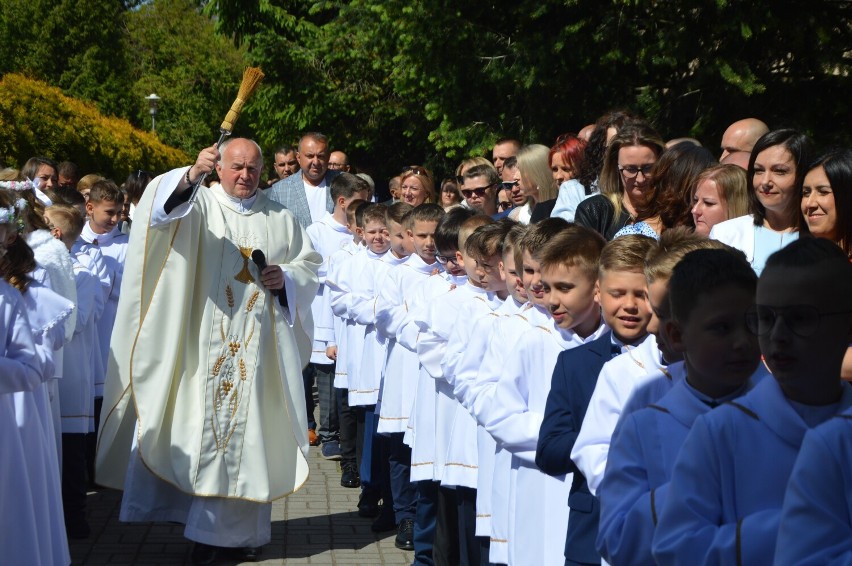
<point>37,119</point>
<point>396,82</point>
<point>195,71</point>
<point>77,46</point>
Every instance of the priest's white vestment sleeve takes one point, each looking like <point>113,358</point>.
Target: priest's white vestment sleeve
<point>203,356</point>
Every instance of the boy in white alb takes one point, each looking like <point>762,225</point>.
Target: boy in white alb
<point>431,540</point>
<point>328,235</point>
<point>478,398</point>
<point>468,369</point>
<point>101,231</point>
<point>482,260</point>
<point>399,380</point>
<point>76,388</point>
<point>568,264</point>
<point>372,468</point>
<point>350,302</point>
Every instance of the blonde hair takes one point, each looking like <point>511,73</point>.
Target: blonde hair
<point>626,253</point>
<point>68,219</point>
<point>534,165</point>
<point>675,243</point>
<point>425,180</point>
<point>732,183</point>
<point>468,163</point>
<point>574,246</point>
<point>87,181</point>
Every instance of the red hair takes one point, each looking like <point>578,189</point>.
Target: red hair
<point>571,148</point>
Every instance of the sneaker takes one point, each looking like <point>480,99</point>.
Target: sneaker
<point>350,477</point>
<point>405,535</point>
<point>313,439</point>
<point>331,450</point>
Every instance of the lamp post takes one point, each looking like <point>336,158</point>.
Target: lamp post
<point>153,100</point>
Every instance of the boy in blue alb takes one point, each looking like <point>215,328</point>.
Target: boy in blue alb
<point>710,292</point>
<point>732,471</point>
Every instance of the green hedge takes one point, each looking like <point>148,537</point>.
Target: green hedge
<point>38,120</point>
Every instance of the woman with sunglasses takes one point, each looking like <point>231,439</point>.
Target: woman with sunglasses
<point>776,171</point>
<point>624,181</point>
<point>416,186</point>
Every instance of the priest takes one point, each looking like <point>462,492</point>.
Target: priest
<point>204,417</point>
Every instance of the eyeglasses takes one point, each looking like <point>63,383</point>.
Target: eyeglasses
<point>631,171</point>
<point>801,320</point>
<point>445,259</point>
<point>479,191</point>
<point>504,205</point>
<point>508,185</point>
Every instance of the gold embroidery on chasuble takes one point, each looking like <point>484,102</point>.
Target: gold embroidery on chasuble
<point>239,307</point>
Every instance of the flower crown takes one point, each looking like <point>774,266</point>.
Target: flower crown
<point>18,186</point>
<point>9,216</point>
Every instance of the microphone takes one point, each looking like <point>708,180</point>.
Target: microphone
<point>260,261</point>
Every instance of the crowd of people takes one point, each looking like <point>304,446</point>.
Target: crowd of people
<point>613,349</point>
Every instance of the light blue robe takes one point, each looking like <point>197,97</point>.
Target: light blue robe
<point>641,457</point>
<point>816,523</point>
<point>730,479</point>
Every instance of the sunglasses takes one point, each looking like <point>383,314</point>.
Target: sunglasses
<point>479,191</point>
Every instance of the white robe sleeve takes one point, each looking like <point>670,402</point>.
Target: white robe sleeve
<point>593,441</point>
<point>507,417</point>
<point>390,305</point>
<point>815,522</point>
<point>167,186</point>
<point>481,392</point>
<point>21,365</point>
<point>470,358</point>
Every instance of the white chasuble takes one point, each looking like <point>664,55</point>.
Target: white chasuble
<point>202,354</point>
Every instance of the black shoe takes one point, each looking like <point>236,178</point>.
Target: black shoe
<point>350,477</point>
<point>369,510</point>
<point>405,535</point>
<point>77,528</point>
<point>385,522</point>
<point>245,554</point>
<point>204,554</point>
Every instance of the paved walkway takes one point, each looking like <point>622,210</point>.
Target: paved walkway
<point>318,524</point>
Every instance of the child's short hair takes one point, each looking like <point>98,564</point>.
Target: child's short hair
<point>346,184</point>
<point>673,245</point>
<point>68,219</point>
<point>86,182</point>
<point>469,226</point>
<point>427,212</point>
<point>397,211</point>
<point>359,211</point>
<point>447,232</point>
<point>512,243</point>
<point>539,233</point>
<point>703,271</point>
<point>106,190</point>
<point>487,240</point>
<point>626,253</point>
<point>350,210</point>
<point>69,197</point>
<point>574,246</point>
<point>374,213</point>
<point>821,257</point>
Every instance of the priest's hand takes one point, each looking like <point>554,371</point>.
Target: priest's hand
<point>205,163</point>
<point>272,277</point>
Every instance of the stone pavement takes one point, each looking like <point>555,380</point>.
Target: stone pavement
<point>318,524</point>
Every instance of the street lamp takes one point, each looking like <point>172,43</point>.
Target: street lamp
<point>153,100</point>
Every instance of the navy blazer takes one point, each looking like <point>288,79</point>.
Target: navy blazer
<point>574,379</point>
<point>291,193</point>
